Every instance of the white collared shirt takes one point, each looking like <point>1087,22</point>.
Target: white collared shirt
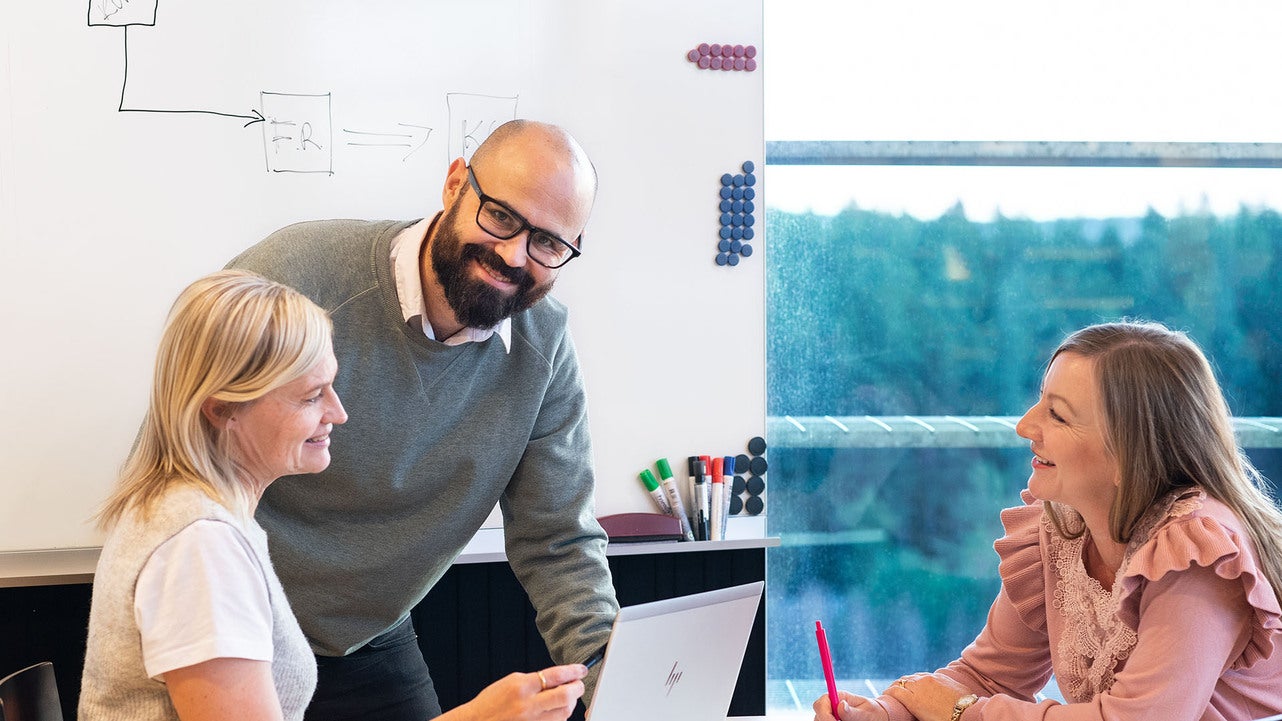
<point>409,288</point>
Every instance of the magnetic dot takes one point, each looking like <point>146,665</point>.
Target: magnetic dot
<point>725,245</point>
<point>735,245</point>
<point>716,62</point>
<point>741,463</point>
<point>755,485</point>
<point>748,166</point>
<point>754,505</point>
<point>738,51</point>
<point>746,250</point>
<point>757,445</point>
<point>758,465</point>
<point>715,50</point>
<point>737,219</point>
<point>728,219</point>
<point>705,62</point>
<point>727,64</point>
<point>727,205</point>
<point>736,206</point>
<point>732,259</point>
<point>749,207</point>
<point>747,219</point>
<point>748,233</point>
<point>749,180</point>
<point>749,193</point>
<point>739,484</point>
<point>726,231</point>
<point>726,192</point>
<point>738,179</point>
<point>723,258</point>
<point>736,232</point>
<point>738,193</point>
<point>750,51</point>
<point>740,63</point>
<point>736,505</point>
<point>704,49</point>
<point>749,64</point>
<point>727,179</point>
<point>693,56</point>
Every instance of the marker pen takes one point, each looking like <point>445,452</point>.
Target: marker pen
<point>701,499</point>
<point>595,658</point>
<point>727,482</point>
<point>693,463</point>
<point>718,493</point>
<point>706,472</point>
<point>652,486</point>
<point>669,485</point>
<point>825,657</point>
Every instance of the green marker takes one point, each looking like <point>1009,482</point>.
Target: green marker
<point>678,509</point>
<point>652,486</point>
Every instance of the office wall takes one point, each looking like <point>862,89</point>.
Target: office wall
<point>134,158</point>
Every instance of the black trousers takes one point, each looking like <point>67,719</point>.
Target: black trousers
<point>384,680</point>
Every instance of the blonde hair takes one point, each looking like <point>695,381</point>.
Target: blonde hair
<point>1168,426</point>
<point>231,336</point>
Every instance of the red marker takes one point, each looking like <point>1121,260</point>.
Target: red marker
<point>833,699</point>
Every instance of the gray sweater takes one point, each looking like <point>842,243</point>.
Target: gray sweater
<point>436,436</point>
<point>115,684</point>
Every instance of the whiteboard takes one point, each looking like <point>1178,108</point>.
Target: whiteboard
<point>143,143</point>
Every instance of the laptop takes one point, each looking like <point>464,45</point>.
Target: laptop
<point>678,659</point>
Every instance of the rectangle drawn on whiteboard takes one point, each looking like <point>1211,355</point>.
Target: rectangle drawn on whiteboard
<point>473,118</point>
<point>120,13</point>
<point>297,133</point>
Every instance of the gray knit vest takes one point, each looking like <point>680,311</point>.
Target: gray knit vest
<point>115,685</point>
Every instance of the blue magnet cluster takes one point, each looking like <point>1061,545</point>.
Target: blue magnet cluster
<point>724,57</point>
<point>748,493</point>
<point>737,209</point>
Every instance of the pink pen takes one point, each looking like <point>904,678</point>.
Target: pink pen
<point>833,699</point>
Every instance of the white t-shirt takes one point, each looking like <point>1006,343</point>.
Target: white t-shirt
<point>202,596</point>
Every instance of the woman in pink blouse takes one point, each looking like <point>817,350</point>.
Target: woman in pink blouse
<point>1144,570</point>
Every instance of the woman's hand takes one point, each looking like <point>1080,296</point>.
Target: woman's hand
<point>853,708</point>
<point>548,695</point>
<point>928,697</point>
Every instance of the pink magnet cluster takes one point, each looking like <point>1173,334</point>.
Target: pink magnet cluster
<point>724,57</point>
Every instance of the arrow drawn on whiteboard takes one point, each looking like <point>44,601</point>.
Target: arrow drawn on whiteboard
<point>256,116</point>
<point>406,139</point>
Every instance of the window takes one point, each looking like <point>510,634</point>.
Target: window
<point>968,192</point>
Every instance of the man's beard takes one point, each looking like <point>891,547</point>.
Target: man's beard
<point>477,304</point>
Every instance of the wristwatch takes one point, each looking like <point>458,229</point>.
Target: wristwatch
<point>962,704</point>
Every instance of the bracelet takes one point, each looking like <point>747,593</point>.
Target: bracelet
<point>962,704</point>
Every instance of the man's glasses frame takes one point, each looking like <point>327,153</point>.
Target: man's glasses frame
<point>546,241</point>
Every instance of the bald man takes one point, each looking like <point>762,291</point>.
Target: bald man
<point>463,390</point>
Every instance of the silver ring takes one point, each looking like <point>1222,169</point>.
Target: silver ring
<point>543,682</point>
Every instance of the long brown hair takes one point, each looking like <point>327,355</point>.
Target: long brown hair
<point>1168,426</point>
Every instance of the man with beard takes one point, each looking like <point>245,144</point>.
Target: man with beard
<point>463,390</point>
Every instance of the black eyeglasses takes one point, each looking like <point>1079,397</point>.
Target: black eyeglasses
<point>545,248</point>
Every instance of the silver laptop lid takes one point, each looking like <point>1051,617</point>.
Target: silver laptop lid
<point>676,659</point>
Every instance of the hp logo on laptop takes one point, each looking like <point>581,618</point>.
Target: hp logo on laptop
<point>673,676</point>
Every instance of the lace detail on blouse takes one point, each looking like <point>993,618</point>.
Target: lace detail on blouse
<point>1095,641</point>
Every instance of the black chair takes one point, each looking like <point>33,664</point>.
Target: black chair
<point>30,695</point>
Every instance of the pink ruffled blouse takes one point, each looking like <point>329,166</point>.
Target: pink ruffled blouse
<point>1190,631</point>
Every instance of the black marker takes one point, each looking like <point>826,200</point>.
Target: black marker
<point>701,500</point>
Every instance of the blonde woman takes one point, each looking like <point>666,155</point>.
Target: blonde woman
<point>1147,577</point>
<point>188,619</point>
